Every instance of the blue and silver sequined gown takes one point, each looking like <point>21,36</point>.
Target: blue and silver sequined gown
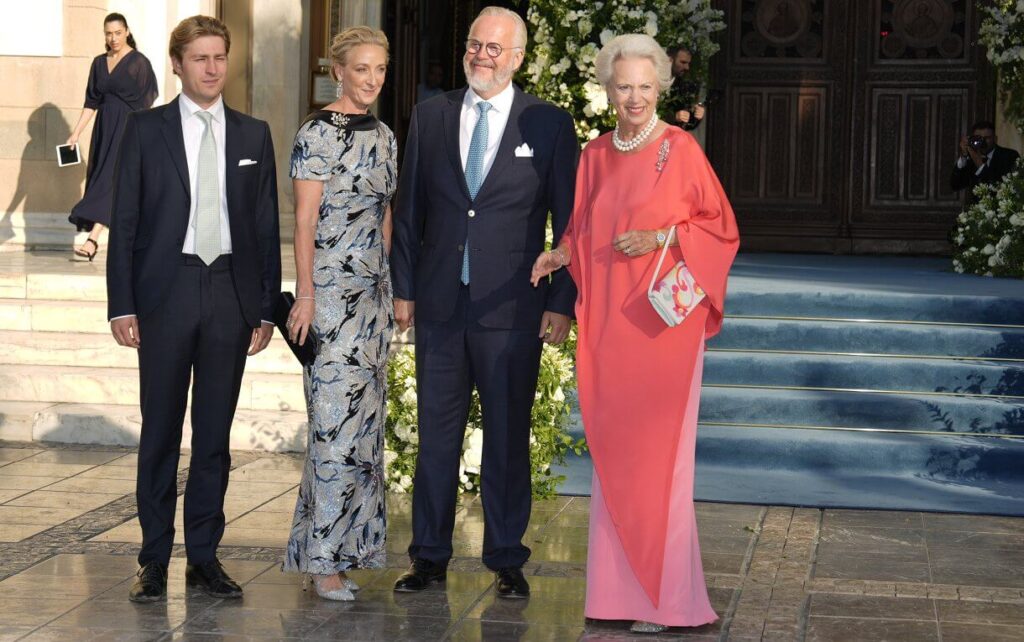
<point>340,518</point>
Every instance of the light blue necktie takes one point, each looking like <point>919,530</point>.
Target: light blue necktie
<point>475,172</point>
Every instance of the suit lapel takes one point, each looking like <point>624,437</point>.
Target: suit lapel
<point>451,114</point>
<point>232,154</point>
<point>510,139</point>
<point>176,142</point>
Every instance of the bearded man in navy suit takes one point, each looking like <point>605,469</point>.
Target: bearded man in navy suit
<point>193,273</point>
<point>484,166</point>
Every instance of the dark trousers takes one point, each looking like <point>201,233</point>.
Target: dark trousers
<point>196,334</point>
<point>451,358</point>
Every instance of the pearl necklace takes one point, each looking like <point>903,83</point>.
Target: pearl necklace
<point>636,141</point>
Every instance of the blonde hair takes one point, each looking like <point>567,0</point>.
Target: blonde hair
<point>191,29</point>
<point>633,45</point>
<point>353,37</point>
<point>502,12</point>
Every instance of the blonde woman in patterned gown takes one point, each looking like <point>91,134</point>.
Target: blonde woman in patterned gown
<point>343,166</point>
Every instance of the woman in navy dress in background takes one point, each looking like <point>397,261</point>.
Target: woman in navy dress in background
<point>120,81</point>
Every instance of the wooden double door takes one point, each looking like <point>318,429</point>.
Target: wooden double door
<point>840,119</point>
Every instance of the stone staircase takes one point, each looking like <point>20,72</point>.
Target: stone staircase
<point>62,377</point>
<point>862,382</point>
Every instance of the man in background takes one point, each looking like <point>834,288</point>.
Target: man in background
<point>683,110</point>
<point>981,160</point>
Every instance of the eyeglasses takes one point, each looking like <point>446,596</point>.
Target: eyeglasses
<point>493,49</point>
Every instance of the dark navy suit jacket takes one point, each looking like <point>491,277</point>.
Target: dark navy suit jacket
<point>504,225</point>
<point>151,211</point>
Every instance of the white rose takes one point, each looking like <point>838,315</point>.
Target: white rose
<point>408,397</point>
<point>402,431</point>
<point>988,249</point>
<point>558,395</point>
<point>605,36</point>
<point>474,451</point>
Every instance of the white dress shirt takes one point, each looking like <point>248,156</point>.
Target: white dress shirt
<point>961,161</point>
<point>497,118</point>
<point>192,130</point>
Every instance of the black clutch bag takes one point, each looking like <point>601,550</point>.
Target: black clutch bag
<point>305,353</point>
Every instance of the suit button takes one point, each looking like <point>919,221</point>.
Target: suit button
<point>471,213</point>
<point>462,247</point>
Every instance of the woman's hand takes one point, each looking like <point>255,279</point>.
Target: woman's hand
<point>636,242</point>
<point>300,319</point>
<point>545,264</point>
<point>72,139</point>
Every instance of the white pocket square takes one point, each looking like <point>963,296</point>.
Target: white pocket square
<point>524,151</point>
<point>246,161</point>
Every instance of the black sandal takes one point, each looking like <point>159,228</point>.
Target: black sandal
<point>88,255</point>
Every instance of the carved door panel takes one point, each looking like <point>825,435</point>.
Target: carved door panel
<point>918,88</point>
<point>776,137</point>
<point>840,120</point>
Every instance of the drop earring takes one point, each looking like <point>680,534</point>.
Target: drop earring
<point>338,92</point>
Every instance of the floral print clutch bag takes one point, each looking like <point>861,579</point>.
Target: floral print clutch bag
<point>677,293</point>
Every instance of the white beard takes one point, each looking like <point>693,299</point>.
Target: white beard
<point>500,78</point>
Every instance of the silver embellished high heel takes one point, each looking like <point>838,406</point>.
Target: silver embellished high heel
<point>343,594</point>
<point>350,584</point>
<point>647,627</point>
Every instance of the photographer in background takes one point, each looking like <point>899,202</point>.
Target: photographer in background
<point>681,99</point>
<point>981,160</point>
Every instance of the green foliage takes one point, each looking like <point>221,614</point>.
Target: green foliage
<point>567,34</point>
<point>1002,33</point>
<point>989,238</point>
<point>549,441</point>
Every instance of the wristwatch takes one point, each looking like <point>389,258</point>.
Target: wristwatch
<point>661,238</point>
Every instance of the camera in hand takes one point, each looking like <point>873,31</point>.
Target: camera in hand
<point>977,143</point>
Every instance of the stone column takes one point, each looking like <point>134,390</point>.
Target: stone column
<point>362,12</point>
<point>278,70</point>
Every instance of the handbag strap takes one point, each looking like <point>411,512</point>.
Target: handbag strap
<point>661,260</point>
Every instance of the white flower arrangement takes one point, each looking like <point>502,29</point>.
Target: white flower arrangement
<point>1002,33</point>
<point>567,35</point>
<point>989,237</point>
<point>549,441</point>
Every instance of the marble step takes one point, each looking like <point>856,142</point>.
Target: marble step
<point>120,386</point>
<point>59,277</point>
<point>47,315</point>
<point>16,419</point>
<point>45,231</point>
<point>100,351</point>
<point>119,425</point>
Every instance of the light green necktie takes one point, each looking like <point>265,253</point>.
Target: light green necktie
<point>207,230</point>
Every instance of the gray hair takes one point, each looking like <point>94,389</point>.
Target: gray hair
<point>633,45</point>
<point>521,35</point>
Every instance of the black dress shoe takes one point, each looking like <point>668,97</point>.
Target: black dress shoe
<point>210,578</point>
<point>150,584</point>
<point>512,584</point>
<point>421,574</point>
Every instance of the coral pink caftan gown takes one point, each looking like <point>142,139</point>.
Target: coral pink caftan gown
<point>639,380</point>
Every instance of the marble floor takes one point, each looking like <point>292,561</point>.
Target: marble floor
<point>69,534</point>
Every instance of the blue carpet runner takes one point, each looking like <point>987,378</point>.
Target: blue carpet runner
<point>861,382</point>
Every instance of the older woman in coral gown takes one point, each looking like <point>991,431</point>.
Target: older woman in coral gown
<point>640,380</point>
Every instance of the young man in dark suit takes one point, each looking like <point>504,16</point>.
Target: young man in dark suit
<point>192,276</point>
<point>484,165</point>
<point>982,162</point>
